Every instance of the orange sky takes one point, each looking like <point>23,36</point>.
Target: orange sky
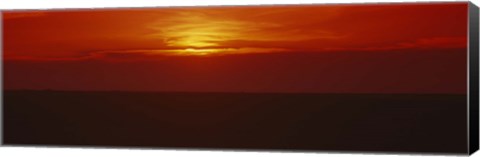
<point>156,33</point>
<point>225,30</point>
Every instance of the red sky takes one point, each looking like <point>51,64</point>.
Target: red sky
<point>394,48</point>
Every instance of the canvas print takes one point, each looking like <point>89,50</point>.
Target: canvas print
<point>349,77</point>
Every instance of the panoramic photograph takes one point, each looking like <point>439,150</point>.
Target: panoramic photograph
<point>364,77</point>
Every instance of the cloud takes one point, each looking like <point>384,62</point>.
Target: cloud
<point>200,29</point>
<point>438,42</point>
<point>423,43</point>
<point>150,54</point>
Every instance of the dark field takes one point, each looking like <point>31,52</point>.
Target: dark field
<point>306,122</point>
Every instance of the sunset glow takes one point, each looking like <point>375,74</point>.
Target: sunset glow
<point>202,31</point>
<point>292,48</point>
<point>199,52</point>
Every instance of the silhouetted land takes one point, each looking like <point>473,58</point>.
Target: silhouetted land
<point>330,122</point>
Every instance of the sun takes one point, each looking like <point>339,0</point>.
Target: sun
<point>199,52</point>
<point>196,51</point>
<point>191,50</point>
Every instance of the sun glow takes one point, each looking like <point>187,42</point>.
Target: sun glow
<point>200,52</point>
<point>196,30</point>
<point>195,33</point>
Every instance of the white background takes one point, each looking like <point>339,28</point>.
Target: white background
<point>88,152</point>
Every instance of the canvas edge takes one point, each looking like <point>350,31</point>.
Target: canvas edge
<point>473,78</point>
<point>1,79</point>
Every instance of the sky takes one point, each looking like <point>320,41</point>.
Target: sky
<point>385,48</point>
